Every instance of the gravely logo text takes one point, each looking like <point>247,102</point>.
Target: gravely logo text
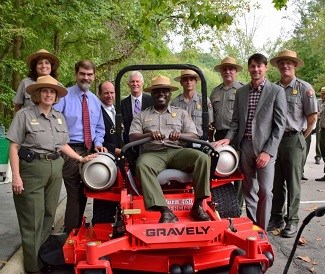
<point>174,231</point>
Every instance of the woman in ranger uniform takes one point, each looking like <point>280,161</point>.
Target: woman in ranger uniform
<point>38,134</point>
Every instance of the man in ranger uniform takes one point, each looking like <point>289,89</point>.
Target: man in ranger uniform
<point>222,99</point>
<point>301,118</point>
<point>190,100</point>
<point>165,124</point>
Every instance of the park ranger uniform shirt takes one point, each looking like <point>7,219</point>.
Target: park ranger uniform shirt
<point>223,104</point>
<point>172,119</point>
<point>31,129</point>
<point>194,108</point>
<point>301,101</point>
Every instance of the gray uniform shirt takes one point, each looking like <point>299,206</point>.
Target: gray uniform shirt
<point>173,119</point>
<point>22,97</point>
<point>301,100</point>
<point>223,104</point>
<point>194,108</point>
<point>30,128</point>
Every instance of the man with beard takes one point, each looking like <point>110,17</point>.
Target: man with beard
<point>82,111</point>
<point>165,124</point>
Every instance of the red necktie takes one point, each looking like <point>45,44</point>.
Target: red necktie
<point>86,123</point>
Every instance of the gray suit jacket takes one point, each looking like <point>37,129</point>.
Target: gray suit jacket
<point>269,119</point>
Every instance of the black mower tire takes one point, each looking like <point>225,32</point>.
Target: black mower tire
<point>226,201</point>
<point>250,269</point>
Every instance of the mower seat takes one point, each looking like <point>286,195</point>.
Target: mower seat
<point>168,176</point>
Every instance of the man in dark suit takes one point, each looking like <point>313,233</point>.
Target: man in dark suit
<point>257,126</point>
<point>104,211</point>
<point>135,102</point>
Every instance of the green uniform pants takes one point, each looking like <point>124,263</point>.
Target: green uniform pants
<point>150,164</point>
<point>322,144</point>
<point>36,206</point>
<point>287,178</point>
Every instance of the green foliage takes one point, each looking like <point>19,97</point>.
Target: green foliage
<point>279,4</point>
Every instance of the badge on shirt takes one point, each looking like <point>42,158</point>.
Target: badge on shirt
<point>34,122</point>
<point>173,114</point>
<point>198,106</point>
<point>294,92</point>
<point>59,121</point>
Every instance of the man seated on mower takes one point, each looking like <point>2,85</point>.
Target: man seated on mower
<point>165,124</point>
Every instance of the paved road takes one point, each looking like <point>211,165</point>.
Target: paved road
<point>313,195</point>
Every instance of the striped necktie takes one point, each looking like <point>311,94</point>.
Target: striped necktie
<point>86,123</point>
<point>137,107</point>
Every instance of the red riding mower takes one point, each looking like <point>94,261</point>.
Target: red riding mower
<point>137,242</point>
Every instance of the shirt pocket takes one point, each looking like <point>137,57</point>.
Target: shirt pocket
<point>231,101</point>
<point>294,104</point>
<point>174,125</point>
<point>36,134</point>
<point>149,126</point>
<point>197,117</point>
<point>62,134</point>
<point>216,102</point>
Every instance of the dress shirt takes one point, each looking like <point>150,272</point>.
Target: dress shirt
<point>110,110</point>
<point>71,107</point>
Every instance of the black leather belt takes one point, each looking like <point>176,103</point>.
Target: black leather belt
<point>290,133</point>
<point>77,145</point>
<point>47,156</point>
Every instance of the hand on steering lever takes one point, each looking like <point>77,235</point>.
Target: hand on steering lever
<point>157,135</point>
<point>174,136</point>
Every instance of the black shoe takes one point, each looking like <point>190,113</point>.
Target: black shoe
<point>304,178</point>
<point>168,217</point>
<point>198,214</point>
<point>273,225</point>
<point>322,179</point>
<point>289,231</point>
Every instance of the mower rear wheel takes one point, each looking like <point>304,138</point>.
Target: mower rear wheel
<point>226,201</point>
<point>94,271</point>
<point>250,269</point>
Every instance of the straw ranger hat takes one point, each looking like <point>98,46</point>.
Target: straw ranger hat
<point>160,81</point>
<point>228,62</point>
<point>45,82</point>
<point>45,54</point>
<point>287,55</point>
<point>187,73</point>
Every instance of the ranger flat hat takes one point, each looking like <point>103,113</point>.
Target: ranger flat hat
<point>187,73</point>
<point>287,54</point>
<point>160,81</point>
<point>45,54</point>
<point>228,62</point>
<point>47,82</point>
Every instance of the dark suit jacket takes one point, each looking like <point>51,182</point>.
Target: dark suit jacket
<point>127,115</point>
<point>110,138</point>
<point>269,119</point>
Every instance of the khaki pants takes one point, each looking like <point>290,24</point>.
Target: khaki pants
<point>150,164</point>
